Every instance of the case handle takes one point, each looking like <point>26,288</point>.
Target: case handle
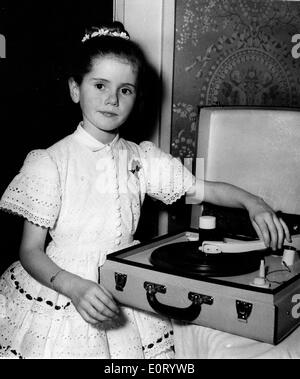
<point>184,314</point>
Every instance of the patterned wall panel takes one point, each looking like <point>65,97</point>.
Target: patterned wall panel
<point>232,52</point>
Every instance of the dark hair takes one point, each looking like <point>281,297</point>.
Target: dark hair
<point>79,60</point>
<point>91,48</point>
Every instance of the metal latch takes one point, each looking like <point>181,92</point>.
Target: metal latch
<point>120,280</point>
<point>243,310</point>
<point>198,298</point>
<point>153,288</point>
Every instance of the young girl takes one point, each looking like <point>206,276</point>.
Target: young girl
<point>87,191</point>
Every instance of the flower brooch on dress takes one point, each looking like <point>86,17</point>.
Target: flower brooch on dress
<point>135,167</point>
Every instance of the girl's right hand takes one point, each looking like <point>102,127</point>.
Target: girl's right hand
<point>93,302</point>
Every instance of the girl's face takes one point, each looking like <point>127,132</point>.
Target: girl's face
<point>106,95</point>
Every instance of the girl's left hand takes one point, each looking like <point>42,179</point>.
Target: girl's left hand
<point>269,228</point>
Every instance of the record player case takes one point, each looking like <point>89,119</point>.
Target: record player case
<point>256,149</point>
<point>231,304</point>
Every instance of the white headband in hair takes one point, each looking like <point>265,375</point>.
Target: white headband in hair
<point>104,32</point>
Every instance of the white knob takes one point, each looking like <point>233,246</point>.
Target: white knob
<point>289,255</point>
<point>259,281</point>
<point>207,222</point>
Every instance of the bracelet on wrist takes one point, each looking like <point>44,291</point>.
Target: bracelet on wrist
<point>52,279</point>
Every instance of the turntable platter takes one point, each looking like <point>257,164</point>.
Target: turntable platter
<point>186,258</point>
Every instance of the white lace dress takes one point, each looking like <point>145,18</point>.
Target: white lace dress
<point>89,195</point>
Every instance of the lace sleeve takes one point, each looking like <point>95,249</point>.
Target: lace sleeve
<point>35,192</point>
<point>166,177</point>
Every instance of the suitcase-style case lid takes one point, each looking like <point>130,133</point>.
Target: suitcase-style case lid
<point>255,149</point>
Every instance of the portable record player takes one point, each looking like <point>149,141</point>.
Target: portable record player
<point>257,150</point>
<point>225,291</point>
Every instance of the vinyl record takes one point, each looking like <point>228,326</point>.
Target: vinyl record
<point>186,258</point>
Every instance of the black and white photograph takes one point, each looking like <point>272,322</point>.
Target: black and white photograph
<point>150,189</point>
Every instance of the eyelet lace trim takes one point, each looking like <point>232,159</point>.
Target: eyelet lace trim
<point>20,211</point>
<point>39,298</point>
<point>5,349</point>
<point>34,192</point>
<point>151,348</point>
<point>174,179</point>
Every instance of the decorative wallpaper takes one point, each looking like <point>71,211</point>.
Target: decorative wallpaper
<point>231,52</point>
